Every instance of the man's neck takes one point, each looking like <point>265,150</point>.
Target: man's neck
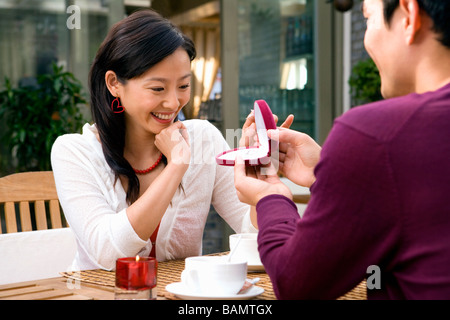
<point>433,70</point>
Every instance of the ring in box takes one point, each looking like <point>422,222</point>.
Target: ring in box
<point>256,155</point>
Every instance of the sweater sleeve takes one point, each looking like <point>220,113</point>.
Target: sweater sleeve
<point>90,203</point>
<point>350,223</point>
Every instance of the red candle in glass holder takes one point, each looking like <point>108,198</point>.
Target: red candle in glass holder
<point>136,273</point>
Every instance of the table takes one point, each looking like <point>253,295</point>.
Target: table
<point>99,285</point>
<point>55,289</point>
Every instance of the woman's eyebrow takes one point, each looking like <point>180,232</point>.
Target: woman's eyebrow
<point>186,76</point>
<point>165,80</point>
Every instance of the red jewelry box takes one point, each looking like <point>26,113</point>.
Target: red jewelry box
<point>255,155</point>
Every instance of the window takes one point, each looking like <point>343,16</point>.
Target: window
<point>276,59</point>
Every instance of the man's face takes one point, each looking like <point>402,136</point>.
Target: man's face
<point>388,49</point>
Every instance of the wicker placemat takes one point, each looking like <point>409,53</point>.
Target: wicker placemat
<point>170,271</point>
<point>100,277</point>
<point>358,293</point>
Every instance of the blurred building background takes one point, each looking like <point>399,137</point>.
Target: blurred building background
<point>295,54</point>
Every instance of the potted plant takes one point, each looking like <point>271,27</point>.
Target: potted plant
<point>365,82</point>
<point>36,115</point>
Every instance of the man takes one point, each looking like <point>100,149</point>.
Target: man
<point>380,187</point>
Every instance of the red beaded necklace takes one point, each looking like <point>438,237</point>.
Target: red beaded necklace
<point>149,169</point>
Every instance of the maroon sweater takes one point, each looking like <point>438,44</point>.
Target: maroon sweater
<point>382,197</point>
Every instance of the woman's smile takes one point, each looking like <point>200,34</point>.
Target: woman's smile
<point>163,117</point>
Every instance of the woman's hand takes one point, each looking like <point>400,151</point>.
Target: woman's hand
<point>173,142</point>
<point>249,133</point>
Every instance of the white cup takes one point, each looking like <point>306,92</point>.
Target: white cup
<point>247,248</point>
<point>214,276</point>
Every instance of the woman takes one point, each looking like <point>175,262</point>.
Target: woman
<point>138,179</point>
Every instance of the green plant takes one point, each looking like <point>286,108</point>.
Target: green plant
<point>36,116</point>
<point>365,82</point>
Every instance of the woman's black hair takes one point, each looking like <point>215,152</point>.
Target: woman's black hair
<point>438,10</point>
<point>132,46</point>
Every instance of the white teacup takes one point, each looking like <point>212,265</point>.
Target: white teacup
<point>247,248</point>
<point>214,276</point>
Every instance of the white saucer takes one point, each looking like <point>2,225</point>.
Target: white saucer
<point>180,290</point>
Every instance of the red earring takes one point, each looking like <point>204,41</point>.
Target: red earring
<point>116,107</point>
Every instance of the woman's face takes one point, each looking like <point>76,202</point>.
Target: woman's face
<point>153,100</point>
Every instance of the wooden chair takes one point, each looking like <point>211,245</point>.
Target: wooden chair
<point>22,189</point>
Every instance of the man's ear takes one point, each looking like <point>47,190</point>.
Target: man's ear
<point>412,21</point>
<point>112,83</point>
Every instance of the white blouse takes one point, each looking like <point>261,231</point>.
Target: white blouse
<point>95,205</point>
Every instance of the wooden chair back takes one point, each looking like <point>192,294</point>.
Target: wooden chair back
<point>20,190</point>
